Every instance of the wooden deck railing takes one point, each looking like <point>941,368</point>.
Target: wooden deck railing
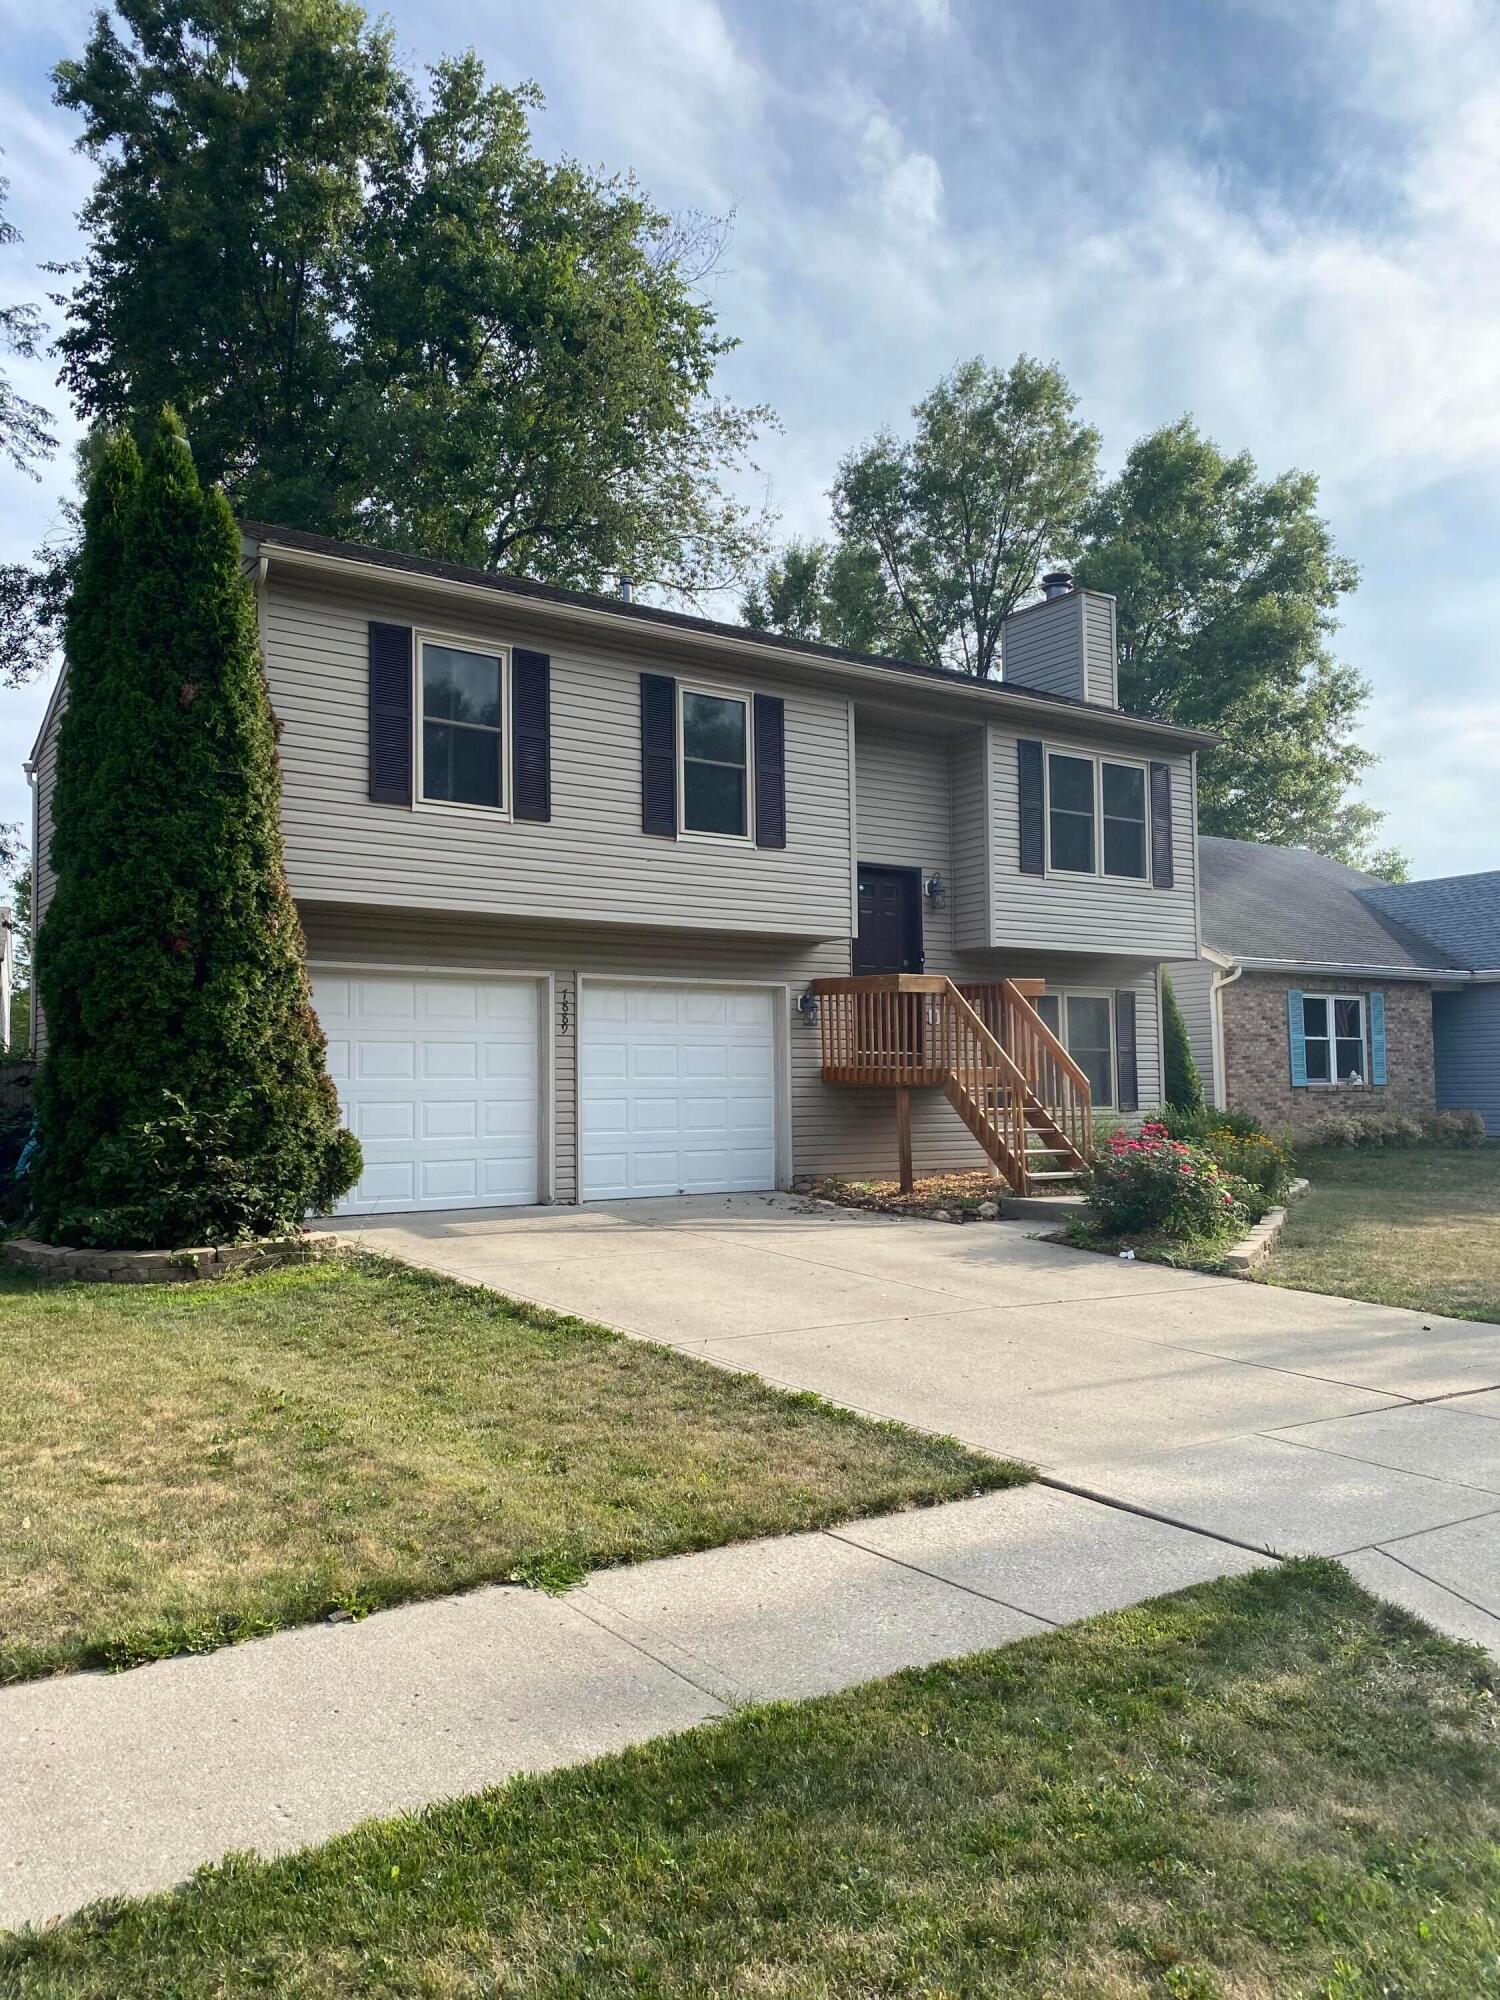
<point>1001,1066</point>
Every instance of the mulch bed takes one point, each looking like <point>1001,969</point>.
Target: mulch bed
<point>960,1194</point>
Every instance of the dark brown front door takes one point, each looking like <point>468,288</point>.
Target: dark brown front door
<point>890,921</point>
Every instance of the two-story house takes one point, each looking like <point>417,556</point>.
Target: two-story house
<point>602,900</point>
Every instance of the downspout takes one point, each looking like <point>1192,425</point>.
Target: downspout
<point>1216,987</point>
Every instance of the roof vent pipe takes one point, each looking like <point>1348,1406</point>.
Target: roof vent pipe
<point>624,588</point>
<point>1057,583</point>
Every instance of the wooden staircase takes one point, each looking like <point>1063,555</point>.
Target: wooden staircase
<point>985,1046</point>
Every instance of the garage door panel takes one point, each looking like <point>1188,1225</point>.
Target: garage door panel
<point>439,1081</point>
<point>676,1090</point>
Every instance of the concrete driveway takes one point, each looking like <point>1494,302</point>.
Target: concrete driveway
<point>1270,1418</point>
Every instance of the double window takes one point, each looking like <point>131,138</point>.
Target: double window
<point>714,736</point>
<point>1096,816</point>
<point>1084,1023</point>
<point>463,737</point>
<point>1333,1037</point>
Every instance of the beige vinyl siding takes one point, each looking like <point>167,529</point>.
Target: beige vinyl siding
<point>1092,913</point>
<point>1043,646</point>
<point>1192,982</point>
<point>591,862</point>
<point>970,878</point>
<point>1100,654</point>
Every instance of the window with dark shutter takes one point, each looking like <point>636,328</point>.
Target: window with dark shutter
<point>390,714</point>
<point>1161,826</point>
<point>770,771</point>
<point>1033,818</point>
<point>659,755</point>
<point>1127,1078</point>
<point>531,733</point>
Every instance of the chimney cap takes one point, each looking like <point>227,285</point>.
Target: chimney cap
<point>1057,583</point>
<point>624,587</point>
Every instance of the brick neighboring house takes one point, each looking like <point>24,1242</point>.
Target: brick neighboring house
<point>1311,998</point>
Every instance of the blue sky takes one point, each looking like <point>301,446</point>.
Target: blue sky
<point>1282,217</point>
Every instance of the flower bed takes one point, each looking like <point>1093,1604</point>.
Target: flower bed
<point>1162,1197</point>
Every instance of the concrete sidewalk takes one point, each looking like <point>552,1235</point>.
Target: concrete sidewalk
<point>124,1783</point>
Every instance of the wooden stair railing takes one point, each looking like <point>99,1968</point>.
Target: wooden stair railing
<point>1006,1074</point>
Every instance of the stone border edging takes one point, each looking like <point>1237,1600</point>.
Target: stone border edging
<point>1258,1245</point>
<point>167,1267</point>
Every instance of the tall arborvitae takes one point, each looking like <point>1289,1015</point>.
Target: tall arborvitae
<point>1183,1084</point>
<point>184,1097</point>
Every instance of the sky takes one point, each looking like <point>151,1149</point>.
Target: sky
<point>1282,216</point>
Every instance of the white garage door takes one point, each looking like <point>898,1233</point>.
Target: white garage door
<point>677,1092</point>
<point>438,1080</point>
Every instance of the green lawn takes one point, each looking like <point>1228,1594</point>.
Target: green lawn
<point>1260,1789</point>
<point>1417,1227</point>
<point>181,1466</point>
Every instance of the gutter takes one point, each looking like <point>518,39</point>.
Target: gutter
<point>1010,695</point>
<point>1334,969</point>
<point>1226,975</point>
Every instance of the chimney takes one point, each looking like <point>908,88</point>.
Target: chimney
<point>624,589</point>
<point>1064,643</point>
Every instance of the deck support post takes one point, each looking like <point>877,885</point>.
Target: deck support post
<point>903,1138</point>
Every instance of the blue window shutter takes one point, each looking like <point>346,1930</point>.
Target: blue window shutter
<point>1294,1036</point>
<point>1377,1038</point>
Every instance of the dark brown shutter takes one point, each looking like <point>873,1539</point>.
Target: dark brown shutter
<point>659,755</point>
<point>770,771</point>
<point>1161,826</point>
<point>390,714</point>
<point>1033,809</point>
<point>1127,1079</point>
<point>531,733</point>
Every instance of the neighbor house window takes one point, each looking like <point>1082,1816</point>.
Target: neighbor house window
<point>1085,792</point>
<point>1085,1025</point>
<point>463,745</point>
<point>715,764</point>
<point>1070,813</point>
<point>1333,1034</point>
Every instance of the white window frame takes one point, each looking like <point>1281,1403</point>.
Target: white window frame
<point>1333,1081</point>
<point>1062,994</point>
<point>684,831</point>
<point>1098,758</point>
<point>494,649</point>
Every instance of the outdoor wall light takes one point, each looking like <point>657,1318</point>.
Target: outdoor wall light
<point>807,1008</point>
<point>936,891</point>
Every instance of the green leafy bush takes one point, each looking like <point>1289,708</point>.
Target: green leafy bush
<point>1347,1129</point>
<point>184,1096</point>
<point>1184,1086</point>
<point>1454,1128</point>
<point>1256,1157</point>
<point>1196,1125</point>
<point>1150,1184</point>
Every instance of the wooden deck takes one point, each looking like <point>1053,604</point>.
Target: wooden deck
<point>984,1045</point>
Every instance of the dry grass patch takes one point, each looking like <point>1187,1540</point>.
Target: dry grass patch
<point>184,1466</point>
<point>1262,1788</point>
<point>1416,1227</point>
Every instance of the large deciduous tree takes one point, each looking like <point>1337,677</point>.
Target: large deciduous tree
<point>382,314</point>
<point>183,1097</point>
<point>1228,587</point>
<point>940,535</point>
